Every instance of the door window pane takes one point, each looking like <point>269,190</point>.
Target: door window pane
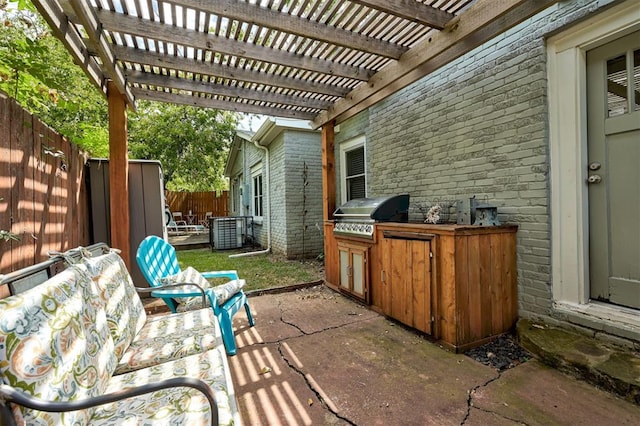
<point>617,86</point>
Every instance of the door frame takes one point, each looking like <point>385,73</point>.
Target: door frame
<point>566,69</point>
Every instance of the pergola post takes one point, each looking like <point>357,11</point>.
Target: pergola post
<point>118,172</point>
<point>328,171</point>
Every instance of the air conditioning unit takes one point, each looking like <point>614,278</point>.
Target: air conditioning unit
<point>227,232</point>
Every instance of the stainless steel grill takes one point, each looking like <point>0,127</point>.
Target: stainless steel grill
<point>357,217</point>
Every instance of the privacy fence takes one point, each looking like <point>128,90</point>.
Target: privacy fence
<point>199,203</point>
<point>43,198</point>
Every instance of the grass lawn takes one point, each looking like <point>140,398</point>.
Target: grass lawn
<point>260,271</point>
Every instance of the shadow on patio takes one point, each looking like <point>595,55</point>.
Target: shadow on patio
<point>316,357</point>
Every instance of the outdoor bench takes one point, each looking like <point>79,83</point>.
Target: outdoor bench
<point>79,349</point>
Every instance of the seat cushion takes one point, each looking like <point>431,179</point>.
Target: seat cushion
<point>55,345</point>
<point>190,275</point>
<point>124,308</point>
<point>177,405</point>
<point>169,337</point>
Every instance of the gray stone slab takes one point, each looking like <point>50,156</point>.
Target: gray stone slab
<point>534,394</point>
<point>316,357</point>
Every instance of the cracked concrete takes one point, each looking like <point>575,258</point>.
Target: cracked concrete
<point>316,357</point>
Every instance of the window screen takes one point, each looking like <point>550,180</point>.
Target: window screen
<point>355,176</point>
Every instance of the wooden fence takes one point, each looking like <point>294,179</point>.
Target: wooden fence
<point>198,203</point>
<point>43,196</point>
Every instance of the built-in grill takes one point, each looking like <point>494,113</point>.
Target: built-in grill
<point>358,216</point>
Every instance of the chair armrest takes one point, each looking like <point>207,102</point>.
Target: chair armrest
<point>231,274</point>
<point>170,290</point>
<point>8,393</point>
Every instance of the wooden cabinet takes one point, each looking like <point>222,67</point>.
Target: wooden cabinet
<point>354,269</point>
<point>405,278</point>
<point>457,283</point>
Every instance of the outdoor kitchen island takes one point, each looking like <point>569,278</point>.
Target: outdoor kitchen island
<point>457,283</point>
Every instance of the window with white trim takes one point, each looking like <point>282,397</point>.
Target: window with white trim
<point>257,191</point>
<point>353,177</point>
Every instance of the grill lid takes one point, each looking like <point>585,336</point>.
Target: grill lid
<point>394,208</point>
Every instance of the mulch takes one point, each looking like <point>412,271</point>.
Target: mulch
<point>501,353</point>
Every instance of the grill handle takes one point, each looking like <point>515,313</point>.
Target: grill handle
<point>402,235</point>
<point>352,215</point>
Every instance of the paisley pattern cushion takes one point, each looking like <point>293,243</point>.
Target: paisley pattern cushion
<point>190,275</point>
<point>124,309</point>
<point>169,337</point>
<point>55,344</point>
<point>177,406</point>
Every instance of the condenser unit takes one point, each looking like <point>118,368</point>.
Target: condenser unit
<point>227,232</point>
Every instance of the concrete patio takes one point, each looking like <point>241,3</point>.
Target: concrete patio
<point>316,357</point>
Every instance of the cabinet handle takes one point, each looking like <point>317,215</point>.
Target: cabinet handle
<point>383,276</point>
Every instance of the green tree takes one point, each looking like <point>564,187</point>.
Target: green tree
<point>190,143</point>
<point>37,70</point>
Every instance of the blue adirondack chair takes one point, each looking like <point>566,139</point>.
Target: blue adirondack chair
<point>157,259</point>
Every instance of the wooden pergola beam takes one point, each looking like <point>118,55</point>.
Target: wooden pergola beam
<point>160,60</point>
<point>212,88</point>
<point>328,171</point>
<point>65,32</point>
<point>203,102</point>
<point>257,15</point>
<point>481,22</point>
<point>93,28</point>
<point>119,172</point>
<point>124,24</point>
<point>411,10</point>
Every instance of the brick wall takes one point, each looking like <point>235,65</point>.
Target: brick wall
<point>478,127</point>
<point>291,229</point>
<point>304,236</point>
<point>353,127</point>
<point>278,196</point>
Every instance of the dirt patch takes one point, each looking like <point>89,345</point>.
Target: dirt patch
<point>501,353</point>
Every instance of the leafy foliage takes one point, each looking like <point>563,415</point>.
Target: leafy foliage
<point>190,143</point>
<point>39,73</point>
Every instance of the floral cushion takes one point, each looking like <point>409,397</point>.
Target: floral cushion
<point>190,275</point>
<point>124,309</point>
<point>222,293</point>
<point>169,337</point>
<point>225,291</point>
<point>177,406</point>
<point>55,344</point>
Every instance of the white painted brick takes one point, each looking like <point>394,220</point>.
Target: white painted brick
<point>477,126</point>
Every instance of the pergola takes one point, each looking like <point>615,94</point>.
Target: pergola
<point>320,60</point>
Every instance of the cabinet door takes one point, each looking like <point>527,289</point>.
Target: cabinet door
<point>354,271</point>
<point>406,272</point>
<point>345,268</point>
<point>359,272</point>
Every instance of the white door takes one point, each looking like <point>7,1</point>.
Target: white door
<point>613,91</point>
